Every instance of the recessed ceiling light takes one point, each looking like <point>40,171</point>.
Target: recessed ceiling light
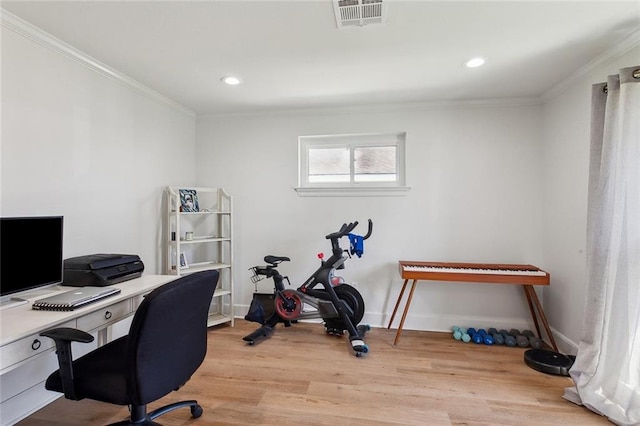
<point>474,63</point>
<point>231,80</point>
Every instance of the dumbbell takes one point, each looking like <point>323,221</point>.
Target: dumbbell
<point>455,328</point>
<point>480,336</point>
<point>534,341</point>
<point>509,340</point>
<point>497,337</point>
<point>465,336</point>
<point>487,338</point>
<point>471,332</point>
<point>460,333</point>
<point>456,332</point>
<point>475,336</point>
<point>521,340</point>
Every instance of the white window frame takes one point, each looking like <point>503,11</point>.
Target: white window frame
<point>352,188</point>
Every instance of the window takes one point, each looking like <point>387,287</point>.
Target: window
<point>351,164</point>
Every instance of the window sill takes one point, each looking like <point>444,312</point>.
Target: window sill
<point>395,191</point>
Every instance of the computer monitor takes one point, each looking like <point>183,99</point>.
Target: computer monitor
<point>30,253</point>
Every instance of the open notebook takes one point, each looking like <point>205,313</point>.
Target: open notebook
<point>70,300</point>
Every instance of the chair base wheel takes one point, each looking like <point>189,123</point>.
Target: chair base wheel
<point>139,416</point>
<point>196,411</point>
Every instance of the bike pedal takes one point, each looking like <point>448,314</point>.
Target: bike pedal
<point>359,347</point>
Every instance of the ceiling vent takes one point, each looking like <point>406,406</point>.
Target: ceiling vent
<point>350,13</point>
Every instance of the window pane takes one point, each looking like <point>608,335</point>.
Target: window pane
<point>328,165</point>
<point>375,164</point>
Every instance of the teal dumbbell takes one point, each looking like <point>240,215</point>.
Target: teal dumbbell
<point>456,333</point>
<point>465,335</point>
<point>460,333</point>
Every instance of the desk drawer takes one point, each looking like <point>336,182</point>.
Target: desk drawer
<point>27,347</point>
<point>105,316</point>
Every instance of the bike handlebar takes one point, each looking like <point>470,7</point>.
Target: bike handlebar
<point>346,229</point>
<point>369,231</point>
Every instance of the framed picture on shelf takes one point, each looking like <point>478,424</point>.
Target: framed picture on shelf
<point>183,261</point>
<point>189,200</point>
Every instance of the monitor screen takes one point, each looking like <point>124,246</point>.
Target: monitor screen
<point>30,253</point>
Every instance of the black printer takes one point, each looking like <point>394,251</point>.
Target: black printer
<point>100,270</point>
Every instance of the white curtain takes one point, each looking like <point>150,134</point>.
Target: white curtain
<point>606,372</point>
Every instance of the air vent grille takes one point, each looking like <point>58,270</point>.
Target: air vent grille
<point>359,12</point>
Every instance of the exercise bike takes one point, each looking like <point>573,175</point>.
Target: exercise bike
<point>338,304</point>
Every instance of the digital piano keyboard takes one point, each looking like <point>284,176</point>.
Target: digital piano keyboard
<point>490,273</point>
<point>474,272</point>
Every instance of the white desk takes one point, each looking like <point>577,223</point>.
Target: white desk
<point>26,358</point>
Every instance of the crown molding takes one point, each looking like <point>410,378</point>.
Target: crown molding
<point>35,34</point>
<point>610,55</point>
<point>381,107</point>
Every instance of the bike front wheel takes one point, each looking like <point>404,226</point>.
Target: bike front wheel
<point>354,301</point>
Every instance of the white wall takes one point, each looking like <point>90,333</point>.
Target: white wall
<point>475,197</point>
<point>566,123</point>
<point>78,144</point>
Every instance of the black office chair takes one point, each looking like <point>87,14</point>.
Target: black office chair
<point>166,344</point>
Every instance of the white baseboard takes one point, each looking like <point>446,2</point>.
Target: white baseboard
<point>443,323</point>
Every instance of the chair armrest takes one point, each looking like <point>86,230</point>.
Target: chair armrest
<point>68,334</point>
<point>63,337</point>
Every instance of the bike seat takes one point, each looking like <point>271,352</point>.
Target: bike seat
<point>274,260</point>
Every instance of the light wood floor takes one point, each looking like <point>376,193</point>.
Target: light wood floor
<point>300,376</point>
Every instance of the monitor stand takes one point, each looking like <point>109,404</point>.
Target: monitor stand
<point>12,303</point>
<point>8,302</point>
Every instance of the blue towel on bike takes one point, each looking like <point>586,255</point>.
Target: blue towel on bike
<point>357,244</point>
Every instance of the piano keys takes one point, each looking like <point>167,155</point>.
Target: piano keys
<point>488,273</point>
<point>492,273</point>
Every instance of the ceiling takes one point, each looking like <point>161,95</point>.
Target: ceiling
<point>291,54</point>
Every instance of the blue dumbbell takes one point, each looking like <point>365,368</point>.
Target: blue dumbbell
<point>478,335</point>
<point>487,339</point>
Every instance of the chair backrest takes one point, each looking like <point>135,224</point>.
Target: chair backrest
<point>168,336</point>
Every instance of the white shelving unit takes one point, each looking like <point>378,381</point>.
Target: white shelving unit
<point>202,239</point>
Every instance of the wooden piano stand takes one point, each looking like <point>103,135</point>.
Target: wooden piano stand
<point>525,275</point>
